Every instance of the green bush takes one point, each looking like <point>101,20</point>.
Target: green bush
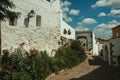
<point>36,65</point>
<point>68,57</point>
<point>76,45</point>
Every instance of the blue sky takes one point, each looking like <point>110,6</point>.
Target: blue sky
<point>96,15</point>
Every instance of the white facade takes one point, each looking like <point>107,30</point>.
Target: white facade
<point>111,54</point>
<point>65,26</point>
<point>43,37</point>
<point>100,47</point>
<point>88,41</point>
<point>85,38</point>
<point>42,32</point>
<point>95,45</point>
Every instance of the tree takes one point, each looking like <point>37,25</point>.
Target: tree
<point>5,12</point>
<point>5,6</point>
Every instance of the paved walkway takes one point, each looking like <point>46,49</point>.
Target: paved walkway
<point>93,68</point>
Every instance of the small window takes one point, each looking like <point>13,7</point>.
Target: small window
<point>65,31</point>
<point>38,20</point>
<point>48,0</point>
<point>69,32</point>
<point>13,21</point>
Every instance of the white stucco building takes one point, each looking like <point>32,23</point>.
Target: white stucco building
<point>88,41</point>
<point>95,45</point>
<point>85,38</point>
<point>111,49</point>
<point>39,26</point>
<point>67,31</point>
<point>67,34</point>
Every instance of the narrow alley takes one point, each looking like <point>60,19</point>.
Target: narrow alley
<point>93,68</point>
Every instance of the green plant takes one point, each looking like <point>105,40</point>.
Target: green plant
<point>76,45</point>
<point>68,57</point>
<point>36,65</point>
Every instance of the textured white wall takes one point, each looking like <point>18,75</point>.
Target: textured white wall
<point>116,51</point>
<point>64,25</point>
<point>106,51</point>
<point>95,45</point>
<point>100,47</point>
<point>44,37</point>
<point>116,47</point>
<point>89,39</point>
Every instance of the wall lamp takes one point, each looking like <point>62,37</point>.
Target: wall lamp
<point>31,14</point>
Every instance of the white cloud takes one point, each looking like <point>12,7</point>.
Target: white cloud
<point>80,28</point>
<point>111,3</point>
<point>68,19</point>
<point>101,25</point>
<point>74,12</point>
<point>114,12</point>
<point>82,25</point>
<point>104,30</point>
<point>102,14</point>
<point>87,21</point>
<point>113,23</point>
<point>99,3</point>
<point>65,3</point>
<point>65,8</point>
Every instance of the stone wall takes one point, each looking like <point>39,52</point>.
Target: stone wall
<point>43,37</point>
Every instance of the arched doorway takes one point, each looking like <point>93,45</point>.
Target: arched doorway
<point>84,41</point>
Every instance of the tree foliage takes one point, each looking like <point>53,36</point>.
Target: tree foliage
<point>5,6</point>
<point>37,65</point>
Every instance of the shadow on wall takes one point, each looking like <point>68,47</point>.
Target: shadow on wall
<point>104,72</point>
<point>26,22</point>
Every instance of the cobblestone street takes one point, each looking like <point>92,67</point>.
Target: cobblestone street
<point>93,68</point>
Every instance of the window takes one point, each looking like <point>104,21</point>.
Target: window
<point>65,31</point>
<point>13,16</point>
<point>48,0</point>
<point>13,21</point>
<point>38,20</point>
<point>69,32</point>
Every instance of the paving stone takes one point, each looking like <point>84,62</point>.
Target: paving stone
<point>86,71</point>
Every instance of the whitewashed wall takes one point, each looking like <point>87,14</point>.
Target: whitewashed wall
<point>116,47</point>
<point>106,51</point>
<point>44,37</point>
<point>88,36</point>
<point>95,45</point>
<point>100,47</point>
<point>64,25</point>
<point>116,51</point>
